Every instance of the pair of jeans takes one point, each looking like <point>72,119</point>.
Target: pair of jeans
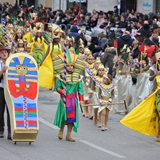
<point>2,110</point>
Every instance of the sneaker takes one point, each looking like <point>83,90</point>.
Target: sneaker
<point>1,134</point>
<point>9,136</point>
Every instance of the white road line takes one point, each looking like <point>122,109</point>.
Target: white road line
<point>47,123</point>
<point>84,141</point>
<point>102,149</point>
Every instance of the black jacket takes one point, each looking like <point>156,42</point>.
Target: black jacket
<point>124,39</point>
<point>135,52</point>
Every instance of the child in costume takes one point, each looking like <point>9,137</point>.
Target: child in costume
<point>142,71</point>
<point>28,49</point>
<point>38,47</point>
<point>69,44</point>
<point>89,66</point>
<point>67,113</point>
<point>123,80</point>
<point>19,35</point>
<point>20,47</point>
<point>106,95</point>
<point>93,95</point>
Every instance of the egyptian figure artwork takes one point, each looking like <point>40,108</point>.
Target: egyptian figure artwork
<point>21,94</point>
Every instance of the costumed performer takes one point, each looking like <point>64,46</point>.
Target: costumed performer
<point>93,94</point>
<point>145,118</point>
<point>67,111</point>
<point>123,81</point>
<point>142,71</point>
<point>106,94</point>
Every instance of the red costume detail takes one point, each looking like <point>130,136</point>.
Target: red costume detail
<point>81,97</point>
<point>32,90</point>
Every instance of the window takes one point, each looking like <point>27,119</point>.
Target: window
<point>75,4</point>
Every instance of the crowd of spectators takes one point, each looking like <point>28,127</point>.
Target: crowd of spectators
<point>147,26</point>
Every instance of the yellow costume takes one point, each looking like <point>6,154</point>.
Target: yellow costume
<point>144,117</point>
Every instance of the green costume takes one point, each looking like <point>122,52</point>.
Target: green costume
<point>72,89</point>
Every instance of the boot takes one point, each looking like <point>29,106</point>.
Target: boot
<point>99,121</point>
<point>60,134</point>
<point>95,116</point>
<point>103,120</point>
<point>90,113</point>
<point>106,118</point>
<point>69,136</point>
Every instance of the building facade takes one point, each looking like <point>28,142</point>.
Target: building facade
<point>143,6</point>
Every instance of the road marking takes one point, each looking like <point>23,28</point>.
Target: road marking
<point>84,141</point>
<point>102,149</point>
<point>47,123</point>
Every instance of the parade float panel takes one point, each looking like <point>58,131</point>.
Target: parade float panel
<point>21,94</point>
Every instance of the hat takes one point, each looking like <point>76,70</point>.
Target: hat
<point>87,51</point>
<point>7,17</point>
<point>68,38</point>
<point>28,45</point>
<point>107,77</point>
<point>98,60</point>
<point>20,41</point>
<point>101,66</point>
<point>24,39</point>
<point>39,31</point>
<point>10,25</point>
<point>54,36</point>
<point>4,48</point>
<point>81,41</point>
<point>19,31</point>
<point>90,57</point>
<point>125,49</point>
<point>55,29</point>
<point>72,59</point>
<point>50,25</point>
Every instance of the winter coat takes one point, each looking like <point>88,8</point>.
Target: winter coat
<point>74,33</point>
<point>122,24</point>
<point>124,39</point>
<point>107,59</point>
<point>135,52</point>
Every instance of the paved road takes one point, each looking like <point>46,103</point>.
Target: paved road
<point>118,142</point>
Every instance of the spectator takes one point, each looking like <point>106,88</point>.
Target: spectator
<point>108,56</point>
<point>94,21</point>
<point>116,10</point>
<point>124,39</point>
<point>74,33</point>
<point>135,50</point>
<point>101,43</point>
<point>123,23</point>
